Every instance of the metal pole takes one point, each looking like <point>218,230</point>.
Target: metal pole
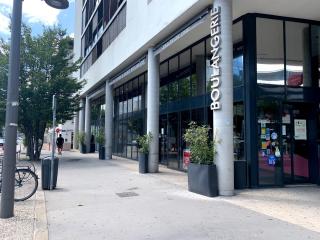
<point>9,163</point>
<point>54,106</point>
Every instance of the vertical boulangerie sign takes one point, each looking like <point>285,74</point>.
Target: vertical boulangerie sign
<point>215,43</point>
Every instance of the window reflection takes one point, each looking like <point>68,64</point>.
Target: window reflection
<point>315,40</point>
<point>163,94</point>
<point>237,30</point>
<point>238,131</point>
<point>173,91</point>
<point>128,118</point>
<point>270,59</point>
<point>184,87</point>
<point>298,55</point>
<point>238,71</point>
<point>268,141</point>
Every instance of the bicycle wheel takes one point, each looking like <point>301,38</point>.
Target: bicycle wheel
<point>26,184</point>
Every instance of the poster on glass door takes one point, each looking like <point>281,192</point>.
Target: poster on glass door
<point>300,129</point>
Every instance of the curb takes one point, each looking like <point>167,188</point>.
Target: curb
<point>40,229</point>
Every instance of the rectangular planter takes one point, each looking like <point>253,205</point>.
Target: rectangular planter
<point>202,179</point>
<point>240,174</point>
<point>83,148</point>
<point>92,148</point>
<point>102,153</point>
<point>143,162</point>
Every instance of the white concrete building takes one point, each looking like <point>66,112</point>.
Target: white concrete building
<point>147,66</point>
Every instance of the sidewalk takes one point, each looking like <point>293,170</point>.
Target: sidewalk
<point>21,225</point>
<point>29,221</point>
<point>110,200</point>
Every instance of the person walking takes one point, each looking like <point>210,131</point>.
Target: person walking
<point>59,143</point>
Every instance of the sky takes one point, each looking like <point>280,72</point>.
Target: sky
<point>36,14</point>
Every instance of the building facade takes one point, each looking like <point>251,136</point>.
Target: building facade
<point>148,67</point>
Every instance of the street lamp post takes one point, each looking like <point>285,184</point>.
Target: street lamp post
<point>11,125</point>
<point>54,108</point>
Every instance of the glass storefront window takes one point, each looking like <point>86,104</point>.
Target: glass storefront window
<point>125,107</point>
<point>141,92</point>
<point>173,91</point>
<point>173,140</point>
<point>173,64</point>
<point>269,149</point>
<point>163,94</point>
<point>128,120</point>
<point>270,52</point>
<point>238,73</point>
<point>135,103</point>
<point>120,108</point>
<point>237,32</point>
<point>163,69</point>
<point>298,61</point>
<point>194,85</point>
<point>199,61</point>
<point>208,74</point>
<point>315,53</point>
<point>184,87</point>
<point>97,118</point>
<point>238,131</point>
<point>130,93</point>
<point>197,115</point>
<point>184,59</point>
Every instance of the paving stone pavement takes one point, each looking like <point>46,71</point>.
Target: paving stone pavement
<point>21,226</point>
<point>109,199</point>
<point>30,219</point>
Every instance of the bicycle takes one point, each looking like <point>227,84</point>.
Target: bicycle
<point>26,183</point>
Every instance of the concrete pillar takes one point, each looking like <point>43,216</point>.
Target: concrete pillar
<point>153,109</point>
<point>87,125</point>
<point>76,130</point>
<point>223,117</point>
<point>108,121</point>
<point>81,116</point>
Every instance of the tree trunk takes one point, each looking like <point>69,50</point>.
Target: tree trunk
<point>39,136</point>
<point>39,144</point>
<point>34,138</point>
<point>30,146</point>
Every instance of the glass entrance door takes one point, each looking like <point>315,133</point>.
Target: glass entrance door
<point>295,143</point>
<point>163,139</point>
<point>171,145</point>
<point>269,155</point>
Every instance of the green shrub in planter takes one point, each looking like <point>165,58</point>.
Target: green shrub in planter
<point>80,138</point>
<point>202,172</point>
<point>143,151</point>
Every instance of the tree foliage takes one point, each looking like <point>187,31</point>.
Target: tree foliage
<point>46,69</point>
<point>4,58</point>
<point>202,148</point>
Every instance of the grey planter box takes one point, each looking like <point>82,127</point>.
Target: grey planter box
<point>92,148</point>
<point>83,148</point>
<point>102,153</point>
<point>278,176</point>
<point>46,172</point>
<point>202,179</point>
<point>143,162</point>
<point>240,174</point>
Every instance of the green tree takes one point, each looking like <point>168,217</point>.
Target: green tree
<point>46,69</point>
<point>4,58</point>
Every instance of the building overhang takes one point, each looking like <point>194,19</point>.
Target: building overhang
<point>306,9</point>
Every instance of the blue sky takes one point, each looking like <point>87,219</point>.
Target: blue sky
<point>37,14</point>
